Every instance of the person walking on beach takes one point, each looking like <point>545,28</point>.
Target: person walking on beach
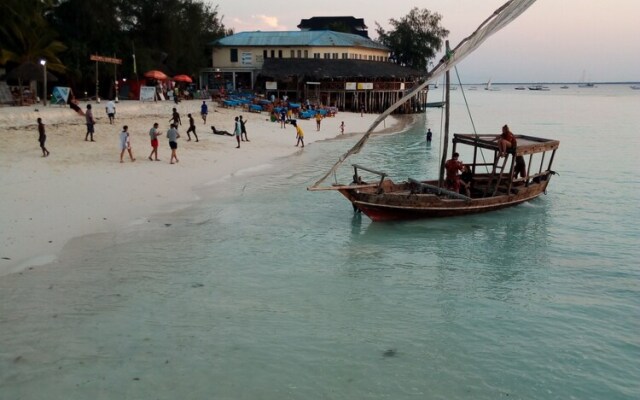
<point>283,118</point>
<point>362,109</point>
<point>173,136</point>
<point>342,128</point>
<point>299,134</point>
<point>204,110</point>
<point>90,123</point>
<point>238,131</point>
<point>318,120</point>
<point>42,137</point>
<point>175,118</point>
<point>111,111</point>
<point>192,128</point>
<point>154,133</point>
<point>243,130</point>
<point>125,143</point>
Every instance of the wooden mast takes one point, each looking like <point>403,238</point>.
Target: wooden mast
<point>445,146</point>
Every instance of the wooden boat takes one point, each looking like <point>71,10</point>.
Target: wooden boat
<point>539,87</point>
<point>494,184</point>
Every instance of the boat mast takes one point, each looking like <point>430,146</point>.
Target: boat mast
<point>445,146</point>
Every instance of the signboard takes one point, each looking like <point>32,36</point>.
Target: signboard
<point>111,60</point>
<point>350,86</point>
<point>246,59</point>
<point>60,95</point>
<point>271,85</point>
<point>147,93</point>
<point>365,85</point>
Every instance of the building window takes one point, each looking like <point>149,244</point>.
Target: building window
<point>306,54</point>
<point>316,55</point>
<point>273,54</point>
<point>293,54</point>
<point>345,56</point>
<point>234,55</point>
<point>327,56</point>
<point>335,56</point>
<point>264,54</point>
<point>299,53</point>
<point>279,53</point>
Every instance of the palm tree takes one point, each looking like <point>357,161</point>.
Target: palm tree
<point>26,36</point>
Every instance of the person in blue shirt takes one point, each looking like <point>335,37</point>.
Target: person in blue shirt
<point>204,110</point>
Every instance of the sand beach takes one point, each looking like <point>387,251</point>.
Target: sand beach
<point>82,188</point>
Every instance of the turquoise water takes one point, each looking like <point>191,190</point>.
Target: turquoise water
<point>264,290</point>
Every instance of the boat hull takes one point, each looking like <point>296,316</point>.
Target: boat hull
<point>404,205</point>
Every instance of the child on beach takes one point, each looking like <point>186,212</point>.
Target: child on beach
<point>42,137</point>
<point>125,143</point>
<point>299,133</point>
<point>318,120</point>
<point>342,128</point>
<point>204,110</point>
<point>192,128</point>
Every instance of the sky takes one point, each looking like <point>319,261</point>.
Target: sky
<point>553,41</point>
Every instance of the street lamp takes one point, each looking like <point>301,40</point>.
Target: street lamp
<point>43,62</point>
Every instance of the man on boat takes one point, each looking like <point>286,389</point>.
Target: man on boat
<point>453,166</point>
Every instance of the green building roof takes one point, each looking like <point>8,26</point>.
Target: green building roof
<point>297,39</point>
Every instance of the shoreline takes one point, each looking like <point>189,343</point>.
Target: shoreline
<point>82,189</point>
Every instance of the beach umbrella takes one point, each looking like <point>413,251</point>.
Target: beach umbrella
<point>155,74</point>
<point>182,78</point>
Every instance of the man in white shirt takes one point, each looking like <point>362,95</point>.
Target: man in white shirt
<point>111,111</point>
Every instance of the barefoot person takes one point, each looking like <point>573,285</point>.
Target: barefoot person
<point>299,133</point>
<point>243,130</point>
<point>111,111</point>
<point>90,123</point>
<point>453,167</point>
<point>173,135</point>
<point>238,131</point>
<point>192,128</point>
<point>125,143</point>
<point>204,110</point>
<point>154,133</point>
<point>175,118</point>
<point>42,137</point>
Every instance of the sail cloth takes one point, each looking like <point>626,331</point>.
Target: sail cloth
<point>498,20</point>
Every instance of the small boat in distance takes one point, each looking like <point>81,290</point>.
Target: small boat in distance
<point>564,87</point>
<point>520,88</point>
<point>539,87</point>
<point>587,85</point>
<point>635,87</point>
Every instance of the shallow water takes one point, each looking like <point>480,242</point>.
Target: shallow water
<point>265,290</point>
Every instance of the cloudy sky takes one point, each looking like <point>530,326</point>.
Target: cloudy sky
<point>553,41</point>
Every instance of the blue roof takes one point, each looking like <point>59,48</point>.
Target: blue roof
<point>297,38</point>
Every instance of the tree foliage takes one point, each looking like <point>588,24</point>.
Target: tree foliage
<point>415,39</point>
<point>169,35</point>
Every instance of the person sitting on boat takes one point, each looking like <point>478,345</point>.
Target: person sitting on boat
<point>506,142</point>
<point>465,181</point>
<point>453,166</point>
<point>520,168</point>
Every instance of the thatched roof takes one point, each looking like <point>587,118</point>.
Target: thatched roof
<point>312,68</point>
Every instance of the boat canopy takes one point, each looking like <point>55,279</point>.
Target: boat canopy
<point>526,144</point>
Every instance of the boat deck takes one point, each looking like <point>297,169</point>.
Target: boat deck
<point>526,144</point>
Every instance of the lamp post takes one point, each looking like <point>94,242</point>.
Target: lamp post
<point>43,62</point>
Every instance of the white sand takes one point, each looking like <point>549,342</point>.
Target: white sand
<point>82,188</point>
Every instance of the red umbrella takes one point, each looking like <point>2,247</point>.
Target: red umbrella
<point>182,78</point>
<point>155,74</point>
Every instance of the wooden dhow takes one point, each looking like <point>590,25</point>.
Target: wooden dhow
<point>493,185</point>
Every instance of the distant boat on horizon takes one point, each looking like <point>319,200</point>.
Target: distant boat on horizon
<point>583,81</point>
<point>539,87</point>
<point>564,87</point>
<point>520,88</point>
<point>635,87</point>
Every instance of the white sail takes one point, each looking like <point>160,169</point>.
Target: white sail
<point>498,20</point>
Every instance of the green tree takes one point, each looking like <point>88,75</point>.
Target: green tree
<point>26,36</point>
<point>415,38</point>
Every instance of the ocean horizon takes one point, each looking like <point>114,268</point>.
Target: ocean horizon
<point>264,290</point>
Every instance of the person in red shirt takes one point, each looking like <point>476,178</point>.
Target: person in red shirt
<point>453,167</point>
<point>506,141</point>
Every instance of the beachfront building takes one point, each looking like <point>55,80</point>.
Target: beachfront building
<point>338,69</point>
